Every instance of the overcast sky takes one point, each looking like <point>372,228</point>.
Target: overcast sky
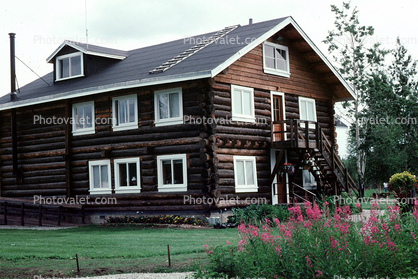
<point>42,25</point>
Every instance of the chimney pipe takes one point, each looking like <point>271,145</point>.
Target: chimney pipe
<point>250,21</point>
<point>13,97</point>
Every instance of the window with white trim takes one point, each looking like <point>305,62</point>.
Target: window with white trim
<point>69,66</point>
<point>125,112</point>
<point>307,111</point>
<point>172,173</point>
<point>127,174</point>
<point>99,176</point>
<point>83,118</point>
<point>242,103</point>
<point>276,59</point>
<point>245,173</point>
<point>168,107</point>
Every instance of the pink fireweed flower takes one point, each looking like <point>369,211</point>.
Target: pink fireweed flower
<point>318,273</point>
<point>391,246</point>
<point>413,235</point>
<point>308,261</point>
<point>210,252</point>
<point>327,223</point>
<point>334,243</point>
<point>205,246</point>
<point>307,224</point>
<point>396,228</point>
<point>325,203</point>
<point>276,221</point>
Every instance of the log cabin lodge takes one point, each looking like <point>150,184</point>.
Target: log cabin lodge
<point>218,115</point>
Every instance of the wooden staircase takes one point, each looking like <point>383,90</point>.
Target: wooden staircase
<point>329,171</point>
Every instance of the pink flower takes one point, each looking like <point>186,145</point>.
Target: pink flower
<point>210,252</point>
<point>318,273</point>
<point>396,228</point>
<point>308,261</point>
<point>205,246</point>
<point>413,235</point>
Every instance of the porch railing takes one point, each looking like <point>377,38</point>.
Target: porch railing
<point>307,195</point>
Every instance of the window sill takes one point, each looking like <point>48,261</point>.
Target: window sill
<point>243,119</point>
<point>128,190</point>
<point>276,72</point>
<point>84,132</point>
<point>61,79</point>
<point>100,192</point>
<point>168,122</point>
<point>125,127</point>
<point>246,190</point>
<point>175,188</point>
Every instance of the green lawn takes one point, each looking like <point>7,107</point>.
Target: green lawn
<point>102,250</point>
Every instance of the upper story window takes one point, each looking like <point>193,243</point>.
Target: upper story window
<point>276,59</point>
<point>125,112</point>
<point>242,99</point>
<point>307,111</point>
<point>83,118</point>
<point>69,66</point>
<point>168,107</point>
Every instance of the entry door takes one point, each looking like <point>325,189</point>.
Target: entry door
<point>277,116</point>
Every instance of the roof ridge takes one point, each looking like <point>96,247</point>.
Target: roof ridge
<point>182,56</point>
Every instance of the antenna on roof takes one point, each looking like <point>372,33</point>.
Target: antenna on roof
<point>85,15</point>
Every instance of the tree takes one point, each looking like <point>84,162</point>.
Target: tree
<point>347,45</point>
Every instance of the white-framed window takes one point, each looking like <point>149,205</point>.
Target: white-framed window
<point>276,59</point>
<point>69,66</point>
<point>168,107</point>
<point>172,173</point>
<point>99,177</point>
<point>309,182</point>
<point>307,111</point>
<point>125,112</point>
<point>242,103</point>
<point>127,175</point>
<point>245,173</point>
<point>83,118</point>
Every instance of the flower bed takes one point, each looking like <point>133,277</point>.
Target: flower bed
<point>319,245</point>
<point>166,219</point>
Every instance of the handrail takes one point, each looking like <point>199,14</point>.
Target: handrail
<point>294,184</point>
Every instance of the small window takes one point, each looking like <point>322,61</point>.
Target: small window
<point>276,59</point>
<point>125,112</point>
<point>168,107</point>
<point>245,173</point>
<point>172,173</point>
<point>242,99</point>
<point>69,66</point>
<point>127,173</point>
<point>307,111</point>
<point>99,174</point>
<point>83,118</point>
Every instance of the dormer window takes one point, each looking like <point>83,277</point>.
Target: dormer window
<point>69,66</point>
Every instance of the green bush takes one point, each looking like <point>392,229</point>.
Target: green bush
<point>402,184</point>
<point>166,219</point>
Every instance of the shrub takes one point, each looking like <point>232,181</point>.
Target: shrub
<point>402,184</point>
<point>257,213</point>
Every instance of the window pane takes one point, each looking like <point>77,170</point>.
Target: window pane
<point>79,118</point>
<point>104,176</point>
<point>163,105</point>
<point>237,105</point>
<point>302,112</point>
<point>247,108</point>
<point>88,115</point>
<point>122,175</point>
<point>310,113</point>
<point>307,177</point>
<point>122,111</point>
<point>249,170</point>
<point>240,173</point>
<point>281,63</point>
<point>178,171</point>
<point>76,65</point>
<point>64,67</point>
<point>269,56</point>
<point>133,176</point>
<point>167,172</point>
<point>131,110</point>
<point>174,105</point>
<point>96,177</point>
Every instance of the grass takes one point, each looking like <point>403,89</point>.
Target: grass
<point>383,204</point>
<point>102,250</point>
